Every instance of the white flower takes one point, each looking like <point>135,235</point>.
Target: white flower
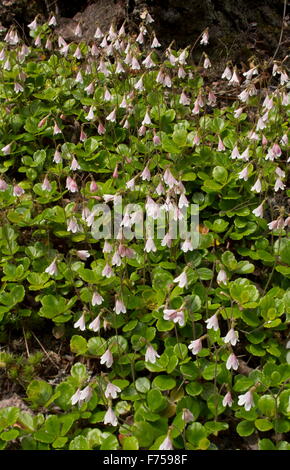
<point>52,268</point>
<point>155,43</point>
<point>95,325</point>
<point>227,73</point>
<point>139,85</point>
<point>33,25</point>
<point>52,21</point>
<point>3,185</point>
<point>90,116</point>
<point>212,323</point>
<point>112,116</point>
<point>187,416</point>
<point>110,417</point>
<point>146,119</point>
<point>232,362</point>
<point>81,324</point>
<point>235,153</point>
<point>247,400</point>
<point>260,124</point>
<point>177,316</point>
<point>107,271</point>
<point>151,354</point>
<point>7,149</point>
<point>279,185</point>
<point>119,307</point>
<point>221,146</point>
<point>207,63</point>
<point>245,155</point>
<point>145,175</point>
<point>73,226</point>
<point>235,78</point>
<point>244,95</point>
<point>222,277</point>
<point>181,280</point>
<point>183,201</point>
<point>195,346</point>
<point>131,184</point>
<point>258,212</point>
<point>97,299</point>
<point>85,394</point>
<point>186,246</point>
<point>257,187</point>
<point>107,247</point>
<point>107,358</point>
<point>167,240</point>
<point>166,444</point>
<point>57,158</point>
<point>244,174</point>
<point>231,337</point>
<point>71,185</point>
<point>184,99</point>
<point>148,62</point>
<point>280,172</point>
<point>46,186</point>
<point>150,245</point>
<point>112,391</point>
<point>204,39</point>
<point>181,72</point>
<point>228,401</point>
<point>76,397</point>
<point>78,31</point>
<point>17,190</point>
<point>238,112</point>
<point>83,254</point>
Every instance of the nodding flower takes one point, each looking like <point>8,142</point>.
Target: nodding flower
<point>151,354</point>
<point>166,444</point>
<point>212,323</point>
<point>232,362</point>
<point>107,358</point>
<point>110,417</point>
<point>247,400</point>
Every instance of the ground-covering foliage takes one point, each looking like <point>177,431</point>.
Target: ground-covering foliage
<point>169,342</point>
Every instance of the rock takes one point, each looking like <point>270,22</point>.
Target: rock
<point>15,400</point>
<point>237,29</point>
<point>102,13</point>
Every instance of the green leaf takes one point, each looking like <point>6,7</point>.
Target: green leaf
<point>220,225</point>
<point>97,346</point>
<point>195,433</point>
<point>193,388</point>
<point>130,443</point>
<point>189,371</point>
<point>79,443</point>
<point>164,382</point>
<point>220,174</point>
<point>245,428</point>
<point>266,444</point>
<point>79,372</point>
<point>39,392</point>
<point>142,384</point>
<point>168,145</point>
<point>179,137</point>
<point>9,435</point>
<point>78,344</point>
<point>229,260</point>
<point>91,144</point>
<point>156,400</point>
<point>110,443</point>
<point>263,425</point>
<point>267,405</point>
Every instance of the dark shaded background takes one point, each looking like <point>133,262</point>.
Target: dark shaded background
<point>238,28</point>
